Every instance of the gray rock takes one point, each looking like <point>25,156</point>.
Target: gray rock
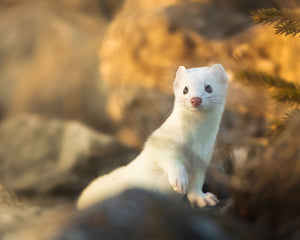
<point>139,214</point>
<point>48,58</point>
<point>13,213</point>
<point>40,155</point>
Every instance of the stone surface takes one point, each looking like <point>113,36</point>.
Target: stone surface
<point>139,214</point>
<point>13,212</point>
<point>153,39</point>
<point>43,224</point>
<point>50,67</point>
<point>40,155</point>
<point>48,58</point>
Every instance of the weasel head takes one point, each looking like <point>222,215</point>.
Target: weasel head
<point>200,88</point>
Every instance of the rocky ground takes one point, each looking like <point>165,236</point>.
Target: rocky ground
<point>83,83</point>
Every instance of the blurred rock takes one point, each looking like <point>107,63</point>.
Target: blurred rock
<point>139,111</point>
<point>152,39</point>
<point>151,42</point>
<point>13,213</point>
<point>173,33</point>
<point>48,59</point>
<point>7,198</point>
<point>50,67</point>
<point>24,221</point>
<point>260,49</point>
<point>43,224</point>
<point>40,155</point>
<point>139,214</point>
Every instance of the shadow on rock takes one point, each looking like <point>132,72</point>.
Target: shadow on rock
<point>139,214</point>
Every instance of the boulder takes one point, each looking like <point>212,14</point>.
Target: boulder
<point>48,59</point>
<point>139,214</point>
<point>152,39</point>
<point>50,67</point>
<point>7,198</point>
<point>13,212</point>
<point>42,155</point>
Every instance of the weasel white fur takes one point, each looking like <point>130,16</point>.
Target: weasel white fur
<point>176,155</point>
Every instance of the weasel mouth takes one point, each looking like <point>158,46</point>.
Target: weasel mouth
<point>192,108</point>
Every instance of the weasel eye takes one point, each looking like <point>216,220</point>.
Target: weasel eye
<point>208,89</point>
<point>185,90</point>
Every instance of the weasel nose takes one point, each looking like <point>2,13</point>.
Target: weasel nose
<point>196,101</point>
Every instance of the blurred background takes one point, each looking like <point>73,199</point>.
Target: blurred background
<point>84,82</point>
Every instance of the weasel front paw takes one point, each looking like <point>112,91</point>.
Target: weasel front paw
<point>207,199</point>
<point>179,181</point>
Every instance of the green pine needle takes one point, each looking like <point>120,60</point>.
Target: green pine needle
<point>291,96</point>
<point>290,114</point>
<point>259,78</point>
<point>284,20</point>
<point>281,90</point>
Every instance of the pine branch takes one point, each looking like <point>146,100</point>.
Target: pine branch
<point>291,96</point>
<point>281,90</point>
<point>259,78</point>
<point>284,20</point>
<point>279,125</point>
<point>290,114</point>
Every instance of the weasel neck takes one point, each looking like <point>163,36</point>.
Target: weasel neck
<point>202,124</point>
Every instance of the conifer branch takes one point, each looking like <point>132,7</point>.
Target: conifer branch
<point>291,96</point>
<point>284,20</point>
<point>259,78</point>
<point>281,90</point>
<point>290,114</point>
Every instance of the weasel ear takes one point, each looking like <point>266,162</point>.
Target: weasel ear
<point>219,72</point>
<point>179,74</point>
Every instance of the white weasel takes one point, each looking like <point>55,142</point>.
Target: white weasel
<point>176,155</point>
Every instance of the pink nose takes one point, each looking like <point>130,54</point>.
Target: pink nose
<point>196,101</point>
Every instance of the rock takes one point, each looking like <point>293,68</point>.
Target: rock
<point>48,59</point>
<point>44,224</point>
<point>139,111</point>
<point>20,220</point>
<point>42,67</point>
<point>152,39</point>
<point>139,214</point>
<point>151,49</point>
<point>7,198</point>
<point>40,155</point>
<point>13,212</point>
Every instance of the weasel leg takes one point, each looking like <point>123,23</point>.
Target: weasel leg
<point>207,199</point>
<point>178,178</point>
<point>195,195</point>
<point>176,172</point>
